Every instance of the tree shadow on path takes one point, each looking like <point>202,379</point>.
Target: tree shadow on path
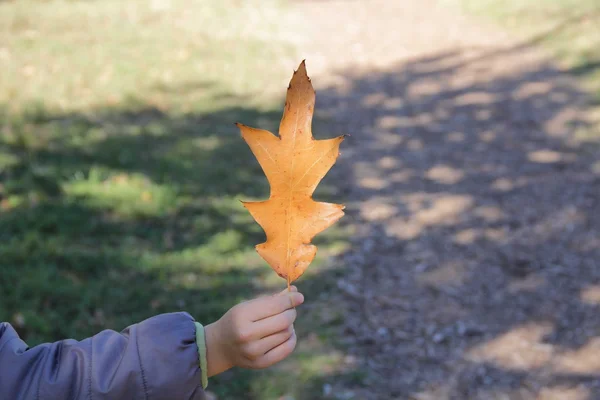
<point>475,273</point>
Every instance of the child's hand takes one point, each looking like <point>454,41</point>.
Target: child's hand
<point>254,334</point>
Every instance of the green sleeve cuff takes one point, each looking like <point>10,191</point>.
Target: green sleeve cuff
<point>201,343</point>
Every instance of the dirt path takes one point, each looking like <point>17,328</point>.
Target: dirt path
<point>476,268</point>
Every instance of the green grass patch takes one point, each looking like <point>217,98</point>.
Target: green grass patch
<point>121,172</point>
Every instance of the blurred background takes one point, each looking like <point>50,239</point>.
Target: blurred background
<point>468,266</point>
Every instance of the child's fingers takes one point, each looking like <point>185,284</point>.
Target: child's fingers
<point>277,323</point>
<point>277,354</point>
<point>258,349</point>
<point>284,291</point>
<point>292,288</point>
<point>274,340</point>
<point>265,307</point>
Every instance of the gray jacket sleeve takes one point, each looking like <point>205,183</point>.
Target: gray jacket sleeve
<point>153,360</point>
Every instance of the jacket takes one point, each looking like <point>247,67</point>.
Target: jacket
<point>156,359</point>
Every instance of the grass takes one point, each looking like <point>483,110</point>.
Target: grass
<point>569,29</point>
<point>121,172</point>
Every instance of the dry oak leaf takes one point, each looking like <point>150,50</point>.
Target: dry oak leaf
<point>294,164</point>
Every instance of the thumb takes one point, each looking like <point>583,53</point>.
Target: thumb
<point>292,288</point>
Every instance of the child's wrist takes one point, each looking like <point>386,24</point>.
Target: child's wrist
<point>216,355</point>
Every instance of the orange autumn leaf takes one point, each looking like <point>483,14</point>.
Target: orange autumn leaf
<point>294,164</point>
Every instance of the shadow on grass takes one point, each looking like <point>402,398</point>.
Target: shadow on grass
<point>115,215</point>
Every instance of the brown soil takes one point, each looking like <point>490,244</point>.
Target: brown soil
<point>475,270</point>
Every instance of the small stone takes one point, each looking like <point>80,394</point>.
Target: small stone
<point>421,267</point>
<point>439,337</point>
<point>19,320</point>
<point>383,332</point>
<point>211,396</point>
